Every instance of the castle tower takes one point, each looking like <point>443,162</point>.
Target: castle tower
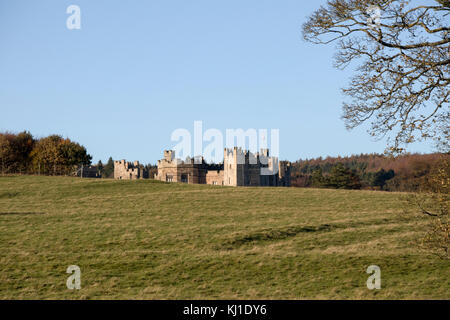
<point>229,168</point>
<point>128,171</point>
<point>169,155</point>
<point>234,164</point>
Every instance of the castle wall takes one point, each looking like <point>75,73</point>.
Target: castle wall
<point>240,168</point>
<point>243,168</point>
<point>175,170</point>
<point>192,174</point>
<point>252,170</point>
<point>127,171</point>
<point>215,177</point>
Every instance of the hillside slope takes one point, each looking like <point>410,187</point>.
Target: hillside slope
<point>150,240</point>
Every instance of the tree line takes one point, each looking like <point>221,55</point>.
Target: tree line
<point>406,172</point>
<point>22,153</point>
<point>52,155</point>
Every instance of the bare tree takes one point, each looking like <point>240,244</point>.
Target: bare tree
<point>402,81</point>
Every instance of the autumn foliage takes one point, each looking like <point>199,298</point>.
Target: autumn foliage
<point>407,172</point>
<point>22,153</point>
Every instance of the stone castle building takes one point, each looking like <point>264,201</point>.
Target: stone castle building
<point>239,168</point>
<point>128,171</point>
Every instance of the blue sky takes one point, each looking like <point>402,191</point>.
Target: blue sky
<point>138,70</point>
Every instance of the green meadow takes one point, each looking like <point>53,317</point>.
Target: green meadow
<point>153,240</point>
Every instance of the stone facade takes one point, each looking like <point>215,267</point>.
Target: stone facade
<point>239,168</point>
<point>171,169</point>
<point>214,177</point>
<point>128,171</point>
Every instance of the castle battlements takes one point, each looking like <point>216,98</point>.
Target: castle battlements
<point>128,170</point>
<point>239,168</point>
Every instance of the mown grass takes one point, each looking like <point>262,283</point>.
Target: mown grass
<point>151,240</point>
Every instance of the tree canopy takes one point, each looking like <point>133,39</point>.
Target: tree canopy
<point>20,153</point>
<point>402,80</point>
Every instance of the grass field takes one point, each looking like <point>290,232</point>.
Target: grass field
<point>151,240</point>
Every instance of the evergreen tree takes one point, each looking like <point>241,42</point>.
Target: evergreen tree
<point>380,178</point>
<point>100,167</point>
<point>108,169</point>
<point>317,178</point>
<point>342,177</point>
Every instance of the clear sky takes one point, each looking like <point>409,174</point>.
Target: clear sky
<point>138,70</point>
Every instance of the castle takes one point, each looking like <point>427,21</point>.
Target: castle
<point>239,168</point>
<point>129,171</point>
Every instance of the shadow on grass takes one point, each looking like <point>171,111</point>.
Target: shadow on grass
<point>291,231</point>
<point>20,213</point>
<point>274,234</point>
<point>9,194</point>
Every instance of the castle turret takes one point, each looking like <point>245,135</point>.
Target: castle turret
<point>128,170</point>
<point>265,152</point>
<point>169,155</point>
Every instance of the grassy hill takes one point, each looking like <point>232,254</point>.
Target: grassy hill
<point>151,240</point>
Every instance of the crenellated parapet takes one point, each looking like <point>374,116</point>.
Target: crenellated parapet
<point>124,170</point>
<point>239,168</point>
